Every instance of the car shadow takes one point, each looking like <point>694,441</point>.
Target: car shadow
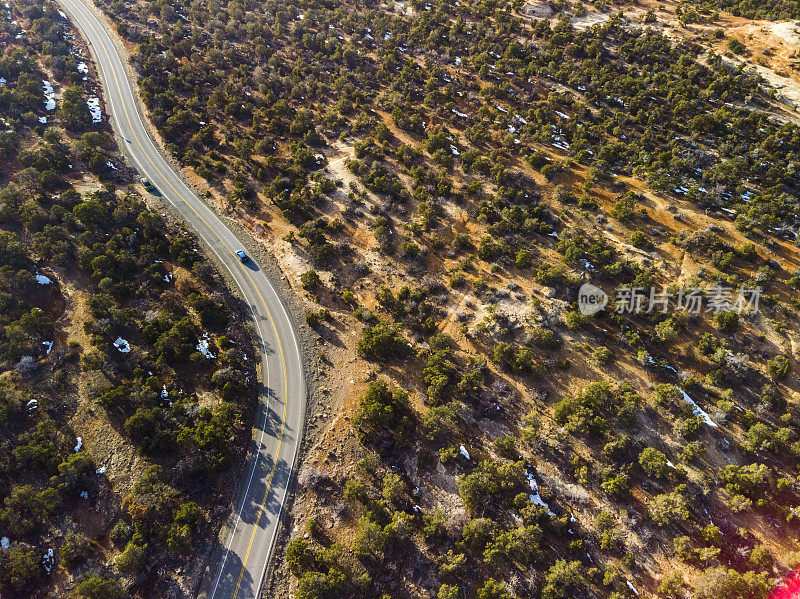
<point>250,264</point>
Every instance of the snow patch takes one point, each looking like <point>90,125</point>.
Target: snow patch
<point>48,345</point>
<point>122,345</point>
<point>49,95</point>
<point>78,445</point>
<point>698,411</point>
<point>202,347</point>
<point>5,543</point>
<point>561,144</point>
<point>463,451</point>
<point>47,561</point>
<point>94,109</point>
<point>43,280</point>
<point>534,495</point>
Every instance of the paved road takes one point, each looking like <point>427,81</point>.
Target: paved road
<point>251,532</point>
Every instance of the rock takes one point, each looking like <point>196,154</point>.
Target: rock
<point>540,9</point>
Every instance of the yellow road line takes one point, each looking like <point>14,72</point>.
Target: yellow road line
<point>269,313</point>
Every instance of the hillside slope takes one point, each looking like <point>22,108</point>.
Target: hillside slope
<point>440,179</point>
<point>123,380</point>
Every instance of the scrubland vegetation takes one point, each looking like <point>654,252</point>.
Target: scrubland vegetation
<point>448,174</point>
<point>451,173</point>
<point>115,428</point>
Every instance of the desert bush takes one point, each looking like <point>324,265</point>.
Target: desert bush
<point>381,343</point>
<point>653,462</point>
<point>383,412</point>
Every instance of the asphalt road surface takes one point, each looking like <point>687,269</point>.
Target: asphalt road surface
<point>250,534</point>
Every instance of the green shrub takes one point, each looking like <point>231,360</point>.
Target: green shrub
<point>95,586</point>
<point>394,488</point>
<point>439,422</point>
<point>484,489</point>
<point>564,580</point>
<point>666,331</point>
<point>494,589</point>
<point>617,487</point>
<point>300,558</point>
<point>450,566</point>
<point>625,207</point>
<point>719,582</point>
<point>601,356</point>
<point>668,508</point>
<point>506,446</point>
<point>745,480</point>
<point>369,542</point>
<point>382,411</point>
<point>640,239</point>
<point>434,526</point>
<point>524,259</point>
<point>313,320</point>
<point>75,548</point>
<point>736,46</point>
<point>131,561</point>
<point>727,321</point>
<point>381,343</point>
<point>778,367</point>
<point>448,591</point>
<point>653,462</point>
<point>310,280</point>
<point>185,522</point>
<point>20,569</point>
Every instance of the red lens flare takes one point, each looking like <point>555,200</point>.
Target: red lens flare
<point>789,589</point>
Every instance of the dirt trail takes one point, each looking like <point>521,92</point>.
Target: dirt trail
<point>338,167</point>
<point>592,18</point>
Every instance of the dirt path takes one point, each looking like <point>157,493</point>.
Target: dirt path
<point>339,170</point>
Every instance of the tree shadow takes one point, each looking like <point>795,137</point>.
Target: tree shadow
<point>222,583</point>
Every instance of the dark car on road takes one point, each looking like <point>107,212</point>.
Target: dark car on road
<point>149,187</point>
<point>243,257</point>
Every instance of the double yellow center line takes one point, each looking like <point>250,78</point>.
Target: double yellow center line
<point>264,302</point>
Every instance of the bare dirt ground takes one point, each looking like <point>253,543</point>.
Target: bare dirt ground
<point>773,48</point>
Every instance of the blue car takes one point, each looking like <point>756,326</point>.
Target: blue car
<point>243,257</point>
